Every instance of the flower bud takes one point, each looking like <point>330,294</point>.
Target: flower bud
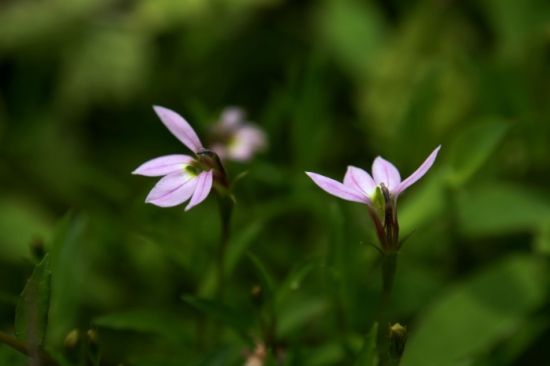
<point>256,292</point>
<point>72,339</point>
<point>398,338</point>
<point>93,338</point>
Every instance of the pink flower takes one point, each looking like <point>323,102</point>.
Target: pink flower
<point>379,191</point>
<point>183,177</point>
<point>235,139</point>
<point>359,186</point>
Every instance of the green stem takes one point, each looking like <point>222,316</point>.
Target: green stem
<point>23,348</point>
<point>226,209</point>
<point>389,267</point>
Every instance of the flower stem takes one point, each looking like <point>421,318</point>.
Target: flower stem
<point>389,267</point>
<point>226,209</point>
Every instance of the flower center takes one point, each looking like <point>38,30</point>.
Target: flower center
<point>192,170</point>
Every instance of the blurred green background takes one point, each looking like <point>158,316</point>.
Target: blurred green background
<point>333,82</point>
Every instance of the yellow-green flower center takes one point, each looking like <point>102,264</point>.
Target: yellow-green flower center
<point>191,170</point>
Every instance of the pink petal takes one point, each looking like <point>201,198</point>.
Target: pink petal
<point>179,128</point>
<point>168,184</point>
<point>337,189</point>
<point>163,165</point>
<point>203,187</point>
<point>385,172</point>
<point>232,117</point>
<point>247,140</point>
<point>172,190</point>
<point>419,173</point>
<point>359,180</point>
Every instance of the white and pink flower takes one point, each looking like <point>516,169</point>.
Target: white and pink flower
<point>184,177</point>
<point>233,138</point>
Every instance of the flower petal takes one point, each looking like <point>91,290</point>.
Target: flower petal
<point>337,189</point>
<point>203,187</point>
<point>163,165</point>
<point>172,190</point>
<point>179,128</point>
<point>246,141</point>
<point>232,117</point>
<point>168,184</point>
<point>360,180</point>
<point>385,172</point>
<point>419,173</point>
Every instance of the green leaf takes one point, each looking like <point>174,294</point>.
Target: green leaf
<point>145,321</point>
<point>66,245</point>
<point>294,280</point>
<point>473,147</point>
<point>264,277</point>
<point>237,245</point>
<point>524,338</point>
<point>516,23</point>
<point>221,356</point>
<point>367,355</point>
<point>9,356</point>
<point>475,315</point>
<point>21,221</point>
<point>353,30</point>
<point>424,204</point>
<point>294,316</point>
<point>31,316</point>
<point>235,319</point>
<point>501,209</point>
<point>542,242</point>
<point>325,355</point>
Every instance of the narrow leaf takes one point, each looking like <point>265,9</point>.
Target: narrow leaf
<point>31,317</point>
<point>264,277</point>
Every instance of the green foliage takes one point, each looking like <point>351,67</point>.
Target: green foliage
<point>473,148</point>
<point>502,208</point>
<point>367,356</point>
<point>223,313</point>
<point>470,318</point>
